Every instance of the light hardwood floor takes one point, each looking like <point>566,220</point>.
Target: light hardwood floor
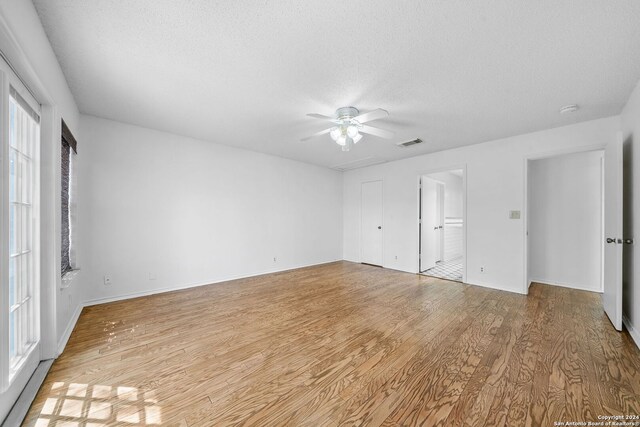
<point>343,344</point>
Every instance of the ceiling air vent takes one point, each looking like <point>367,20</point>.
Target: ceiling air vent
<point>410,143</point>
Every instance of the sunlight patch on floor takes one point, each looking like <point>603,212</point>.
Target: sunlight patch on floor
<point>87,405</point>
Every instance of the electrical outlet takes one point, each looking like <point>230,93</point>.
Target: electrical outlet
<point>482,269</point>
<point>152,276</point>
<point>107,280</point>
<point>275,259</point>
<point>396,257</point>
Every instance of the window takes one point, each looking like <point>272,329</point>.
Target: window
<point>66,156</point>
<point>23,151</point>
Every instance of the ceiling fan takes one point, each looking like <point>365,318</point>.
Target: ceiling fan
<point>349,126</point>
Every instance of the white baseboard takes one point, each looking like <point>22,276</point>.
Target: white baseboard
<point>563,285</point>
<point>635,334</point>
<point>497,288</point>
<point>21,407</point>
<point>62,343</point>
<point>194,285</point>
<point>481,284</point>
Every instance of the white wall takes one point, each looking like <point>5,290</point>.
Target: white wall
<point>495,185</point>
<point>192,212</point>
<point>630,118</point>
<point>24,42</point>
<point>565,220</point>
<point>452,192</point>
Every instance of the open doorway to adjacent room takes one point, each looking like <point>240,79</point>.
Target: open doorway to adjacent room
<point>442,224</point>
<point>565,220</point>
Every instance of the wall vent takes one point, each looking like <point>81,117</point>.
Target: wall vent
<point>409,143</point>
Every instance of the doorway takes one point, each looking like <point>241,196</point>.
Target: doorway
<point>609,205</point>
<point>565,234</point>
<point>20,309</point>
<point>442,224</point>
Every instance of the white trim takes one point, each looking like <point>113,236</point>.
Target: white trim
<point>195,285</point>
<point>73,210</point>
<point>62,342</point>
<point>494,287</point>
<point>563,285</point>
<point>4,232</point>
<point>19,409</point>
<point>525,226</point>
<point>565,151</point>
<point>635,334</point>
<point>49,264</point>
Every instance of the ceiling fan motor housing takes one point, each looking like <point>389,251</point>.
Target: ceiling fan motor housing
<point>347,113</point>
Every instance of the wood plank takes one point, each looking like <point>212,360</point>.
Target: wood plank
<point>342,344</point>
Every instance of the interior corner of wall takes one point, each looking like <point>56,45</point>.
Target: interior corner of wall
<point>633,331</point>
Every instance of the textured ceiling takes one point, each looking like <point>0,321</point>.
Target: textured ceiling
<point>245,73</point>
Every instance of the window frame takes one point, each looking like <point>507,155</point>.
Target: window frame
<point>69,141</point>
<point>27,307</point>
<point>63,270</point>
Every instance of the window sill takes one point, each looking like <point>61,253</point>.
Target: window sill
<point>68,278</point>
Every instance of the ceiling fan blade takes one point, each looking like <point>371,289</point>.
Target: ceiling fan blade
<point>322,132</point>
<point>376,131</point>
<point>372,115</point>
<point>322,117</point>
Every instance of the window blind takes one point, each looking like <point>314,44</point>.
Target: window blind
<point>68,143</point>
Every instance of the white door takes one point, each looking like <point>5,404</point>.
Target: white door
<point>429,224</point>
<point>439,233</point>
<point>371,241</point>
<point>612,295</point>
<point>19,242</point>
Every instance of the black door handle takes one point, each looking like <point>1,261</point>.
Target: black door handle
<point>610,240</point>
<point>379,227</point>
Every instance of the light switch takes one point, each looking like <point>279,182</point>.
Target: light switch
<point>514,214</point>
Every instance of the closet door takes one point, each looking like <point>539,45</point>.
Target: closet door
<point>371,223</point>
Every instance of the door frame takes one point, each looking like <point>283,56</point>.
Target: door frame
<point>50,279</point>
<point>383,228</point>
<point>525,202</point>
<point>458,166</point>
<point>440,189</point>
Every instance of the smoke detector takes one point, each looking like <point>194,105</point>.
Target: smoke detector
<point>569,109</point>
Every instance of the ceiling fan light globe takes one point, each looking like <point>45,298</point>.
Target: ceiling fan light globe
<point>335,133</point>
<point>342,140</point>
<point>352,131</point>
